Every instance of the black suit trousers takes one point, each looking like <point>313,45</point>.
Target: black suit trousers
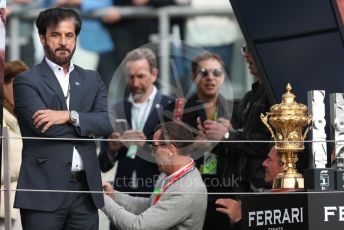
<point>76,213</point>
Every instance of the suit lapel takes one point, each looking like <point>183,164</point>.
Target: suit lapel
<point>127,111</point>
<point>76,86</point>
<point>153,117</point>
<point>51,81</point>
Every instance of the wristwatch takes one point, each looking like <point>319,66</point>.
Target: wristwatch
<point>226,136</point>
<point>73,117</point>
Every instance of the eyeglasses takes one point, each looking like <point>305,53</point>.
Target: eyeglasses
<point>205,72</point>
<point>153,147</point>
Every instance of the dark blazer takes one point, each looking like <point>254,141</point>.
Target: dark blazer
<point>46,164</point>
<point>145,167</point>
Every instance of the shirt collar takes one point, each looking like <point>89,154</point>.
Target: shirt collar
<point>150,98</point>
<point>178,171</point>
<point>55,66</point>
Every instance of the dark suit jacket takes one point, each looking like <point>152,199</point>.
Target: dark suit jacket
<point>144,165</point>
<point>46,164</point>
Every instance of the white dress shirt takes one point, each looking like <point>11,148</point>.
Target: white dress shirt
<point>63,79</point>
<point>141,110</point>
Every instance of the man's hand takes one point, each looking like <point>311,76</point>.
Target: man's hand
<point>49,117</point>
<point>225,122</point>
<point>134,135</point>
<point>108,189</point>
<point>214,130</point>
<point>200,126</point>
<point>115,145</point>
<point>230,207</point>
<point>201,142</point>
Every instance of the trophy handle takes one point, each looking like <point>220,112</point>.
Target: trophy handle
<point>306,131</point>
<point>265,121</point>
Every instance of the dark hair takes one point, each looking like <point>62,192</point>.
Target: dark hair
<point>178,134</point>
<point>53,16</point>
<point>203,57</point>
<point>142,53</point>
<point>13,68</point>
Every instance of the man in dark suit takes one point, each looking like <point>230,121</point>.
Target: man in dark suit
<point>56,99</point>
<point>143,110</point>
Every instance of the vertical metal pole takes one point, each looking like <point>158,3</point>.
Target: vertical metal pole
<point>7,177</point>
<point>164,51</point>
<point>14,39</point>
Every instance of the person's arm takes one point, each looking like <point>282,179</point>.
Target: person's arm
<point>135,205</point>
<point>105,162</point>
<point>96,122</point>
<point>109,152</point>
<point>230,207</point>
<point>28,101</point>
<point>251,149</point>
<point>216,130</point>
<point>167,212</point>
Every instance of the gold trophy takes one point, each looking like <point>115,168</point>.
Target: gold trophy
<point>288,120</point>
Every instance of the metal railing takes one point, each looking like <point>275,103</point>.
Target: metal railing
<point>7,177</point>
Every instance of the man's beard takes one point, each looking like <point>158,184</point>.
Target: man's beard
<point>50,53</point>
<point>138,94</point>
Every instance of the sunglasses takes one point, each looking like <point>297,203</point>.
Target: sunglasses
<point>153,147</point>
<point>205,72</point>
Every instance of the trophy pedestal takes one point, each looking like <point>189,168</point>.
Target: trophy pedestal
<point>339,179</point>
<point>319,179</point>
<point>288,182</point>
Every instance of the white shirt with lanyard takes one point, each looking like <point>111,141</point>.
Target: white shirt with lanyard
<point>63,79</point>
<point>139,115</point>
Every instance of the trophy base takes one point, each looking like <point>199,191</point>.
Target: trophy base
<point>288,182</point>
<point>319,179</point>
<point>339,179</point>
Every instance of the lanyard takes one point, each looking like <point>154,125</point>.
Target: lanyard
<point>215,114</point>
<point>188,168</point>
<point>132,150</point>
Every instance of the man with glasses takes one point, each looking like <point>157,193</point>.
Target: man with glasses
<point>179,200</point>
<point>143,111</point>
